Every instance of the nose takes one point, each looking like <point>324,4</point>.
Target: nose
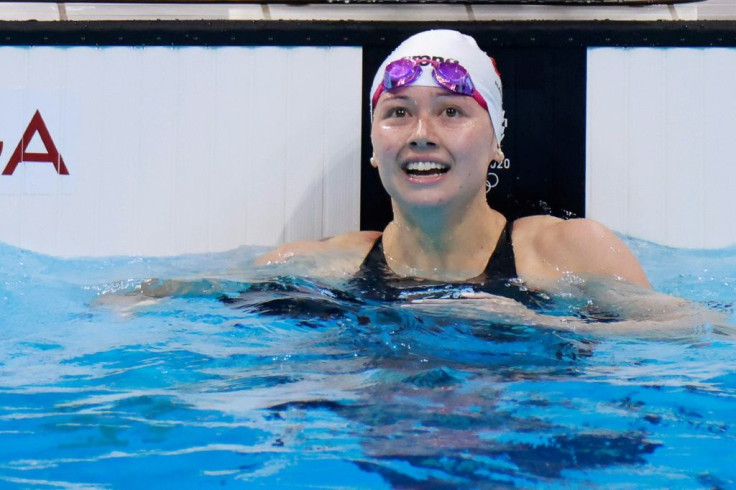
<point>423,135</point>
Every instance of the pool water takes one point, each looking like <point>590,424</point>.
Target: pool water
<point>292,385</point>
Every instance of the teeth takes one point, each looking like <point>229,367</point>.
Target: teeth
<point>425,166</point>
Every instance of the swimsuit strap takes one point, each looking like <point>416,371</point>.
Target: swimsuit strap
<point>502,263</point>
<point>375,261</point>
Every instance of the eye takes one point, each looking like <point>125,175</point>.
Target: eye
<point>397,112</point>
<point>452,112</point>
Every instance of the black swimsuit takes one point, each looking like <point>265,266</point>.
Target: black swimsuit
<point>376,280</point>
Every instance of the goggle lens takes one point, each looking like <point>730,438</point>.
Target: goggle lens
<point>401,72</point>
<point>453,77</point>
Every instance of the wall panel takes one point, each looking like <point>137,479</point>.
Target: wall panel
<point>660,143</point>
<point>719,146</point>
<point>179,150</point>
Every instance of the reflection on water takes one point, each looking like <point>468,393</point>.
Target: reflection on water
<point>285,382</point>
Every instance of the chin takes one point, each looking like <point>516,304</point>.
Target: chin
<point>431,197</point>
<point>424,200</point>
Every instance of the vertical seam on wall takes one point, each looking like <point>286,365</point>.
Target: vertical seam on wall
<point>701,144</point>
<point>139,180</point>
<point>357,176</point>
<point>287,146</point>
<point>588,154</point>
<point>213,143</point>
<point>326,54</point>
<point>65,137</point>
<point>628,53</point>
<point>664,147</point>
<point>250,52</point>
<point>24,182</point>
<point>177,151</point>
<point>105,54</point>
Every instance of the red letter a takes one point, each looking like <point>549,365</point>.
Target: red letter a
<point>51,156</point>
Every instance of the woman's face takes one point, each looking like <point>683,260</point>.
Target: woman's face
<point>432,147</point>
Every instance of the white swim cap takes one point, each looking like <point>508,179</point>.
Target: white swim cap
<point>442,45</point>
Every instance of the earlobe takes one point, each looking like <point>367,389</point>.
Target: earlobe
<point>373,161</point>
<point>498,158</point>
<point>498,155</point>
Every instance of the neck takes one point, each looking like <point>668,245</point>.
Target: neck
<point>437,244</point>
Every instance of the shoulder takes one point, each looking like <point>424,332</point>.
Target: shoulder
<point>550,230</point>
<point>550,248</point>
<point>348,249</point>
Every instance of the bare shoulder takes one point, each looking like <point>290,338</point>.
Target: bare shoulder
<point>551,230</point>
<point>347,248</point>
<point>550,247</point>
<point>528,228</point>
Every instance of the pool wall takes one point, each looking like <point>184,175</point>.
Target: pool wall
<point>660,143</point>
<point>190,136</point>
<point>171,150</point>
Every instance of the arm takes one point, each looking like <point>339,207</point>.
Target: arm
<point>588,261</point>
<point>640,312</point>
<point>336,256</point>
<point>332,257</point>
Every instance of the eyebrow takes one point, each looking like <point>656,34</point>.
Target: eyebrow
<point>393,96</point>
<point>446,93</point>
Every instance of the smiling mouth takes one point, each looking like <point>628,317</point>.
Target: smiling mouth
<point>421,169</point>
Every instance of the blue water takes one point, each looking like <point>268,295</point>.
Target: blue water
<point>195,392</point>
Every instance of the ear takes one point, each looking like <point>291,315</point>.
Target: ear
<point>498,155</point>
<point>374,162</point>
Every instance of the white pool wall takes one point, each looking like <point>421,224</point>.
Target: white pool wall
<point>180,150</point>
<point>661,150</point>
<point>185,150</point>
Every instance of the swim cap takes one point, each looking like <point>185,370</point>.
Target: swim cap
<point>443,44</point>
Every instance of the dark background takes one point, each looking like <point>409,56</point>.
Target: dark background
<point>544,100</point>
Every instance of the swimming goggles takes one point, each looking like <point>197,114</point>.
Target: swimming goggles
<point>448,74</point>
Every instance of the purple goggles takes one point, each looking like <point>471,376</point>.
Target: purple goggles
<point>448,74</point>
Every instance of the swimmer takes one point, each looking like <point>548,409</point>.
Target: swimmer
<point>437,126</point>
